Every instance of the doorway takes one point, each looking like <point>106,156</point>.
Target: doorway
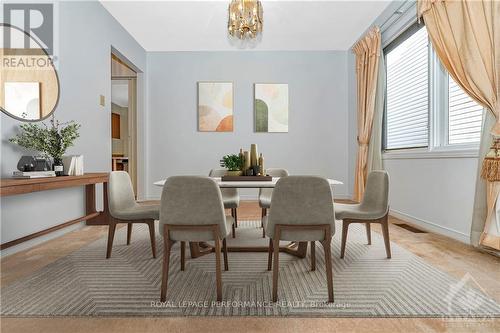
<point>124,118</point>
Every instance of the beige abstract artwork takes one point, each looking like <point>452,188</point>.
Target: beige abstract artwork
<point>215,106</point>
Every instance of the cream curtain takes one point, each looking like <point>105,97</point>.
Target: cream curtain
<point>367,51</point>
<point>486,214</point>
<point>466,37</point>
<point>375,145</point>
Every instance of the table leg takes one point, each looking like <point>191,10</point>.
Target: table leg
<point>299,250</point>
<point>90,199</point>
<point>199,249</point>
<point>90,207</point>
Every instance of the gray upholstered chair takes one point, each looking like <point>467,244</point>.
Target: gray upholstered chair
<point>374,208</point>
<point>230,196</point>
<point>192,211</point>
<point>301,210</point>
<point>266,193</point>
<point>123,208</point>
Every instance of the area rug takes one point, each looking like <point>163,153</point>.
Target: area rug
<point>366,283</point>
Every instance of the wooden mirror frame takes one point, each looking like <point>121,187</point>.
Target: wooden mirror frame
<point>9,26</point>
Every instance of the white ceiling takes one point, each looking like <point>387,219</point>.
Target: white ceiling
<point>288,25</point>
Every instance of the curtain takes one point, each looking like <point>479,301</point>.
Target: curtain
<point>485,218</point>
<point>466,37</point>
<point>367,51</point>
<point>375,145</point>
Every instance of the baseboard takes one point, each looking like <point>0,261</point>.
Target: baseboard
<point>149,197</point>
<point>431,227</point>
<point>342,196</point>
<point>42,239</point>
<point>249,197</point>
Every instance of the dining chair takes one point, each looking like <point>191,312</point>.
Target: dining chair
<point>192,211</point>
<point>123,208</point>
<point>266,193</point>
<point>301,210</point>
<point>374,208</point>
<point>230,197</point>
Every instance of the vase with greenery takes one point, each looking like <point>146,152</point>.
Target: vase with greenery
<point>50,140</point>
<point>233,163</point>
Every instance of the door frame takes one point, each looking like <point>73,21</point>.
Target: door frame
<point>130,74</point>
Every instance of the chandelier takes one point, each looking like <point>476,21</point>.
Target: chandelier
<point>245,18</point>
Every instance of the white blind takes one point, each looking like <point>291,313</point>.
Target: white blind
<point>465,116</point>
<point>407,115</point>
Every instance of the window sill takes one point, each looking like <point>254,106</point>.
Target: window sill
<point>418,153</point>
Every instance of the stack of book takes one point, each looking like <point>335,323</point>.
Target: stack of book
<point>33,174</point>
<point>73,165</point>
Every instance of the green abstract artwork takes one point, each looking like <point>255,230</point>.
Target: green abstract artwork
<point>260,116</point>
<point>271,107</point>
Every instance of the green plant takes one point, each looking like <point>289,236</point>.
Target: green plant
<point>50,140</point>
<point>232,162</point>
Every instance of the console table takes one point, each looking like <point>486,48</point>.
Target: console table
<point>13,186</point>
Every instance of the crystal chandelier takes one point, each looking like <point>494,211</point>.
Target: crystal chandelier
<point>245,18</point>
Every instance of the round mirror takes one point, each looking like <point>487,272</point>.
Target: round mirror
<point>29,86</point>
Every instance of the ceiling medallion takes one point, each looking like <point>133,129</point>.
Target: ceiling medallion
<point>245,19</point>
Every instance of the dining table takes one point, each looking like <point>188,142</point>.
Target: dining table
<point>298,249</point>
<point>249,184</point>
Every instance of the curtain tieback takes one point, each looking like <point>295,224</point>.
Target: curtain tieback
<point>362,143</point>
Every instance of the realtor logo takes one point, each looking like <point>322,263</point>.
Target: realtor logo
<point>36,19</point>
<point>463,299</point>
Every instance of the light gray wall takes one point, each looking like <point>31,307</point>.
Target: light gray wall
<point>86,34</point>
<point>435,193</point>
<point>318,126</point>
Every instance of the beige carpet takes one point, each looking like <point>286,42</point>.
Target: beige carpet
<point>366,284</point>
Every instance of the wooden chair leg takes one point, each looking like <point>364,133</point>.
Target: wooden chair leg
<point>236,217</point>
<point>111,236</point>
<point>151,225</point>
<point>328,261</point>
<point>313,256</point>
<point>369,233</point>
<point>224,251</point>
<point>129,232</point>
<point>183,255</point>
<point>218,273</point>
<point>275,270</point>
<point>385,233</point>
<point>276,250</point>
<point>233,214</point>
<point>345,229</point>
<point>264,213</point>
<point>270,255</point>
<point>166,261</point>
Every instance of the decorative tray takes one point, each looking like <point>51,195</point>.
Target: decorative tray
<point>246,178</point>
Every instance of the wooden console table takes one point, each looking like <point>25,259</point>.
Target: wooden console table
<point>13,186</point>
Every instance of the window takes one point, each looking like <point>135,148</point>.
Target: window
<point>464,116</point>
<point>422,96</point>
<point>407,116</point>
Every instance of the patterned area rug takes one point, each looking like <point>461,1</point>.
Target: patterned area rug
<point>366,284</point>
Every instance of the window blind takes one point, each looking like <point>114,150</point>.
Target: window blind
<point>465,116</point>
<point>407,115</point>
